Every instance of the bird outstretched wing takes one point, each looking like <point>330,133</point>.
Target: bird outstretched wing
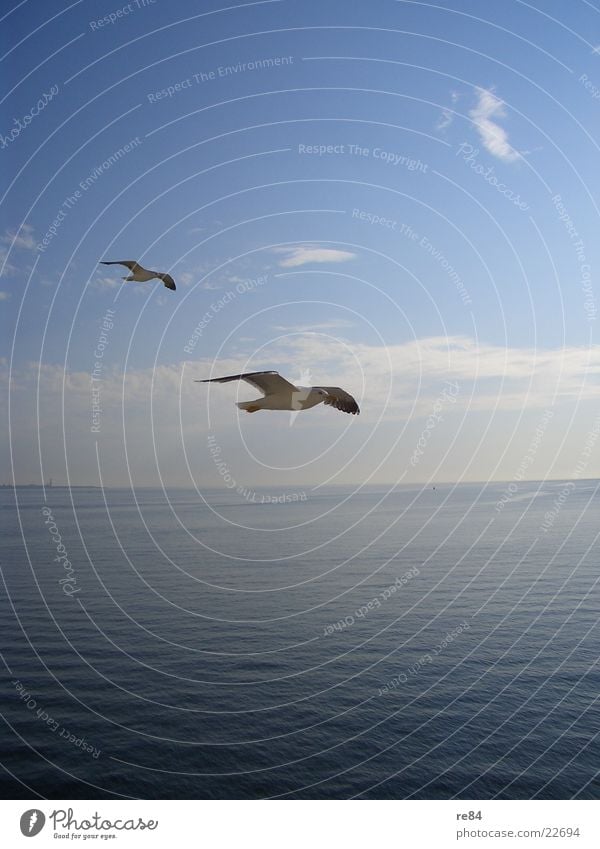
<point>340,399</point>
<point>131,264</point>
<point>168,281</point>
<point>269,382</point>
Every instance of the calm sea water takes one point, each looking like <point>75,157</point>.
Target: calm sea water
<point>415,643</point>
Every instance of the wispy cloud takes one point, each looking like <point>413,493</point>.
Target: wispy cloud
<point>4,296</point>
<point>304,254</point>
<point>107,282</point>
<point>394,384</point>
<point>445,119</point>
<point>6,268</point>
<point>193,273</point>
<point>493,137</point>
<point>23,239</point>
<point>447,116</point>
<point>186,278</point>
<point>492,376</point>
<point>334,324</point>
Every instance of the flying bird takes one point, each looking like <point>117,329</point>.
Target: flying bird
<point>280,394</point>
<point>139,274</point>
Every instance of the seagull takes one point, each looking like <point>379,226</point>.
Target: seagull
<point>139,274</point>
<point>280,394</point>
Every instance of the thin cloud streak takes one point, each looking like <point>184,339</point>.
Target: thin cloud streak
<point>23,239</point>
<point>493,137</point>
<point>304,254</point>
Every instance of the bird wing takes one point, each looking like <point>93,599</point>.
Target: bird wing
<point>167,280</point>
<point>340,399</point>
<point>131,264</point>
<point>269,382</point>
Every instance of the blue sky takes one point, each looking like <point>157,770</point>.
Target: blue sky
<point>410,189</point>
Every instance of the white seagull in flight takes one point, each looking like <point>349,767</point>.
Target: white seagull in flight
<point>280,394</point>
<point>139,274</point>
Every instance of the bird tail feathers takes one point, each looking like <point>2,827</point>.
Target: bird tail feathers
<point>249,406</point>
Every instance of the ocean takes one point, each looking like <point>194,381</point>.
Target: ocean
<point>415,642</point>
